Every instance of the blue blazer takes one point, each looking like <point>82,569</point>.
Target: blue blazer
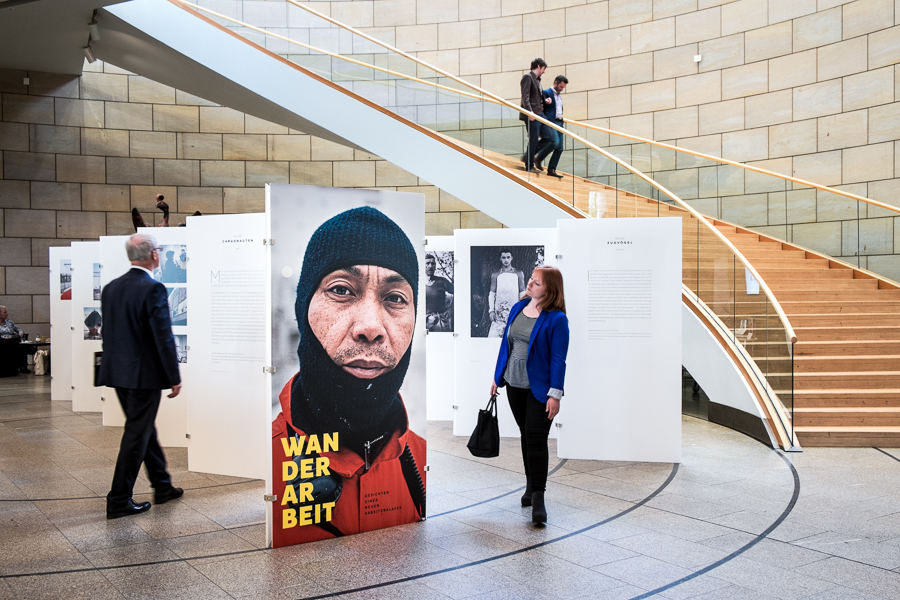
<point>547,349</point>
<point>138,347</point>
<point>550,109</point>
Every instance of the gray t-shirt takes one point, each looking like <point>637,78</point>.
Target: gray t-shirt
<point>519,335</point>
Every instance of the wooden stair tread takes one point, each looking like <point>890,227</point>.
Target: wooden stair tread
<point>857,409</point>
<point>850,428</point>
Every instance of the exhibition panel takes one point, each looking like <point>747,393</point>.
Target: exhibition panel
<point>227,282</point>
<point>171,421</point>
<point>61,322</point>
<point>623,288</point>
<point>87,325</point>
<point>114,263</point>
<point>440,325</point>
<point>346,361</point>
<point>495,265</point>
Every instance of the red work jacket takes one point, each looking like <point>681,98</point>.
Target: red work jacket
<point>370,499</point>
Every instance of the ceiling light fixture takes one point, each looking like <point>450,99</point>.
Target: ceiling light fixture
<point>89,54</point>
<point>95,30</point>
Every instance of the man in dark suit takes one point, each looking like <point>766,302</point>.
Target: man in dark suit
<point>551,139</point>
<point>139,361</point>
<point>532,101</point>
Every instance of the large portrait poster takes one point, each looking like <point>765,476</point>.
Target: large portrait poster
<point>347,383</point>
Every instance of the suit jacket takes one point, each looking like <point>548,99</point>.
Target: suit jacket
<point>547,350</point>
<point>532,98</point>
<point>550,109</point>
<point>138,346</point>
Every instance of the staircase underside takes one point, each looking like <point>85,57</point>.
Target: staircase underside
<point>846,363</point>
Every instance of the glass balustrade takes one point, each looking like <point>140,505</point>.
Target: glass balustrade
<point>600,185</point>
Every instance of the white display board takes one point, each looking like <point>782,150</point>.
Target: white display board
<point>85,306</point>
<point>228,279</point>
<point>61,323</point>
<point>113,263</point>
<point>171,421</point>
<point>479,255</point>
<point>440,340</point>
<point>623,377</point>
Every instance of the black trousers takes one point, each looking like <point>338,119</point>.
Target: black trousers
<point>534,427</point>
<point>139,445</point>
<point>534,134</point>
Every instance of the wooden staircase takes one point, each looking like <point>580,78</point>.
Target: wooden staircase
<point>846,362</point>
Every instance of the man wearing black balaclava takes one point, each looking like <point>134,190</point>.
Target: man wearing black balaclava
<point>356,311</point>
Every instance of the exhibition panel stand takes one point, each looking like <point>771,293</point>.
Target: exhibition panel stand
<point>493,268</point>
<point>61,322</point>
<point>623,373</point>
<point>87,325</point>
<point>440,326</point>
<point>171,421</point>
<point>345,361</point>
<point>226,417</point>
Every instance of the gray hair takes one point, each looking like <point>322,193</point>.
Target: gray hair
<point>139,247</point>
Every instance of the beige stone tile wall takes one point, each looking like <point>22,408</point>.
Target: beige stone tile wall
<point>803,87</point>
<point>809,88</point>
<point>78,153</point>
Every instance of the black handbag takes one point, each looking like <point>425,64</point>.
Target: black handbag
<point>485,440</point>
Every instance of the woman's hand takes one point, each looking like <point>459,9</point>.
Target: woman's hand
<point>552,407</point>
<point>493,388</point>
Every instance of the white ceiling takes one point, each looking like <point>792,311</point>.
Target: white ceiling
<point>46,35</point>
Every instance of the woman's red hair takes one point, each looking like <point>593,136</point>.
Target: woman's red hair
<point>553,284</point>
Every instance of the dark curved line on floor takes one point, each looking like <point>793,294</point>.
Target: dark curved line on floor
<point>205,487</point>
<point>743,548</point>
<point>144,564</point>
<point>505,554</point>
<point>886,453</point>
<point>240,552</point>
<point>447,512</point>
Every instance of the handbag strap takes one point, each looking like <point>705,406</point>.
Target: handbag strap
<point>492,405</point>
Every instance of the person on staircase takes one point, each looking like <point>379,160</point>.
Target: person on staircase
<point>532,101</point>
<point>552,141</point>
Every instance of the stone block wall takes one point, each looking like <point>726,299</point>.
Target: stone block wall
<point>78,153</point>
<point>809,88</point>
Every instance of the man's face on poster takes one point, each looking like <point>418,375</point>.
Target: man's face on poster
<point>429,266</point>
<point>505,259</point>
<point>364,317</point>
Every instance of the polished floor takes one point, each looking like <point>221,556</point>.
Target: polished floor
<point>734,520</point>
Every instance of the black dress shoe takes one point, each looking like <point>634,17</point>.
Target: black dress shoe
<point>131,509</point>
<point>553,173</point>
<point>170,494</point>
<point>531,170</point>
<point>537,165</point>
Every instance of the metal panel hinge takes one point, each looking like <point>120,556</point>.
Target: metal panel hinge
<point>270,498</point>
<point>558,256</point>
<point>187,435</point>
<point>455,407</point>
<point>268,242</point>
<point>427,467</point>
<point>269,370</point>
<point>425,243</point>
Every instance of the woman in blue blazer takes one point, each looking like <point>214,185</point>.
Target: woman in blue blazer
<point>532,366</point>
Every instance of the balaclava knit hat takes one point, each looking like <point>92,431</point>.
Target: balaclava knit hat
<point>329,399</point>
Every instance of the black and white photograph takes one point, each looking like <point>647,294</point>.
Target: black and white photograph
<point>172,264</point>
<point>499,276</point>
<point>65,279</point>
<point>96,285</point>
<point>439,291</point>
<point>181,348</point>
<point>177,305</point>
<point>92,323</point>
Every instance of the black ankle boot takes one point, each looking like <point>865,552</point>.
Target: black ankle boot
<point>538,510</point>
<point>526,497</point>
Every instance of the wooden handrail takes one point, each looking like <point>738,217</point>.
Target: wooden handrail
<point>803,182</point>
<point>497,100</point>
